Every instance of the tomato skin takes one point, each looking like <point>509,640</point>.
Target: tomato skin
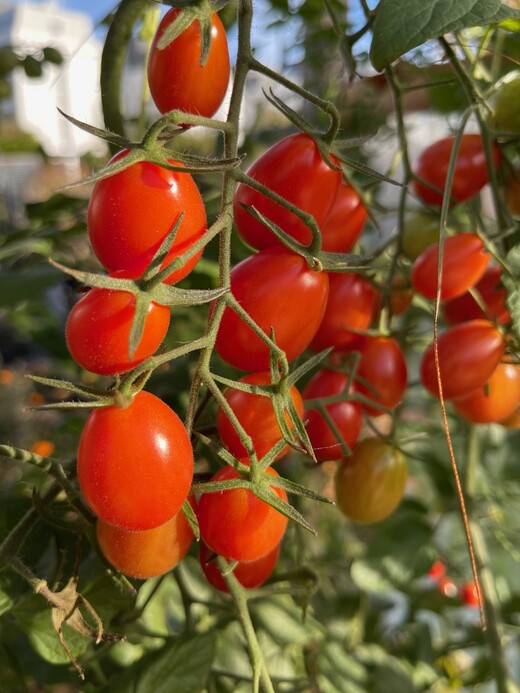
<point>512,192</point>
<point>294,169</point>
<point>468,354</point>
<point>496,400</point>
<point>463,264</point>
<point>471,172</point>
<point>437,570</point>
<point>256,414</point>
<point>383,367</point>
<point>345,221</point>
<point>250,574</point>
<point>131,212</point>
<point>238,525</point>
<point>469,595</point>
<point>146,553</point>
<point>346,415</point>
<point>420,230</point>
<point>176,78</point>
<point>492,294</point>
<point>370,483</point>
<point>98,329</point>
<point>277,289</point>
<point>135,464</point>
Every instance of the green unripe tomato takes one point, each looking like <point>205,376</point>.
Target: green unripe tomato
<point>420,231</point>
<point>506,107</point>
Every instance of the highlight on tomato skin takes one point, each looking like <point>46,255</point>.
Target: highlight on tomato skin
<point>468,354</point>
<point>250,574</point>
<point>463,264</point>
<point>494,401</point>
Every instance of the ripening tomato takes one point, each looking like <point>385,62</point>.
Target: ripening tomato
<point>492,295</point>
<point>294,169</point>
<point>370,483</point>
<point>399,296</point>
<point>131,212</point>
<point>471,173</point>
<point>463,264</point>
<point>135,464</point>
<point>505,117</point>
<point>238,525</point>
<point>512,422</point>
<point>512,192</point>
<point>279,291</point>
<point>250,574</point>
<point>381,374</point>
<point>468,354</point>
<point>98,331</point>
<point>345,414</point>
<point>256,414</point>
<point>420,230</point>
<point>344,222</point>
<point>147,553</point>
<point>176,78</point>
<point>350,306</point>
<point>494,401</point>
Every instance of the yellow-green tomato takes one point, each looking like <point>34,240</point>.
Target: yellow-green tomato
<point>371,482</point>
<point>506,107</point>
<point>419,231</point>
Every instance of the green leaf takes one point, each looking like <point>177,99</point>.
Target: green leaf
<point>401,25</point>
<point>282,619</point>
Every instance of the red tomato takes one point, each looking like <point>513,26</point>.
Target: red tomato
<point>350,305</point>
<point>98,330</point>
<point>135,464</point>
<point>238,525</point>
<point>381,374</point>
<point>256,414</point>
<point>146,553</point>
<point>176,78</point>
<point>469,594</point>
<point>513,421</point>
<point>463,264</point>
<point>346,415</point>
<point>131,212</point>
<point>399,297</point>
<point>494,401</point>
<point>437,571</point>
<point>370,483</point>
<point>344,222</point>
<point>468,355</point>
<point>250,574</point>
<point>294,169</point>
<point>493,297</point>
<point>471,172</point>
<point>279,291</point>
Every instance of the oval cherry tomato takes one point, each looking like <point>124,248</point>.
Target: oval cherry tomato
<point>370,483</point>
<point>294,169</point>
<point>131,212</point>
<point>494,401</point>
<point>149,552</point>
<point>420,230</point>
<point>176,78</point>
<point>469,594</point>
<point>98,330</point>
<point>238,525</point>
<point>512,192</point>
<point>437,570</point>
<point>346,415</point>
<point>381,374</point>
<point>513,421</point>
<point>350,305</point>
<point>463,264</point>
<point>345,221</point>
<point>256,414</point>
<point>135,464</point>
<point>250,574</point>
<point>278,290</point>
<point>492,295</point>
<point>468,355</point>
<point>471,172</point>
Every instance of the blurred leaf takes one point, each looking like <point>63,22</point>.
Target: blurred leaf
<point>27,284</point>
<point>512,284</point>
<point>401,25</point>
<point>283,620</point>
<point>52,55</point>
<point>339,671</point>
<point>32,67</point>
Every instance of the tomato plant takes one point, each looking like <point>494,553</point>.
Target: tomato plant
<point>492,297</point>
<point>131,212</point>
<point>345,415</point>
<point>344,222</point>
<point>238,525</point>
<point>98,331</point>
<point>504,117</point>
<point>176,77</point>
<point>256,415</point>
<point>250,574</point>
<point>135,463</point>
<point>294,169</point>
<point>463,264</point>
<point>146,553</point>
<point>371,482</point>
<point>471,173</point>
<point>468,354</point>
<point>494,401</point>
<point>280,293</point>
<point>381,374</point>
<point>350,308</point>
